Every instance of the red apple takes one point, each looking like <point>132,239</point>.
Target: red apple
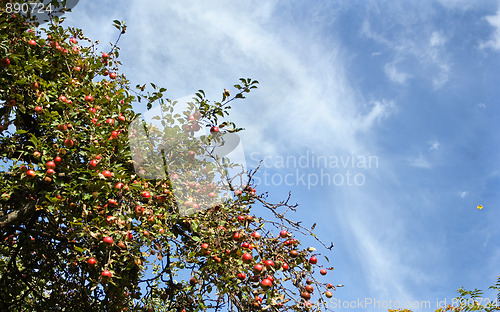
<point>305,295</point>
<point>328,294</point>
<point>112,75</point>
<point>294,253</point>
<point>110,121</point>
<point>5,62</point>
<point>246,257</point>
<point>242,276</point>
<point>89,98</point>
<point>313,260</point>
<point>323,272</point>
<point>108,241</point>
<point>283,234</point>
<point>256,235</point>
<point>58,160</point>
<point>107,174</point>
<point>285,266</point>
<point>91,262</point>
<point>236,236</point>
<point>93,164</point>
<point>266,283</point>
<point>38,109</point>
<point>146,194</point>
<point>50,165</point>
<point>309,288</point>
<point>31,174</point>
<point>62,98</point>
<point>32,42</point>
<point>258,268</point>
<point>106,275</point>
<point>269,263</point>
<point>50,172</point>
<point>105,55</point>
<point>214,129</point>
<point>69,143</point>
<point>73,40</point>
<point>139,210</point>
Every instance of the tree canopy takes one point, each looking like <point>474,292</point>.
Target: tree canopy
<point>89,222</point>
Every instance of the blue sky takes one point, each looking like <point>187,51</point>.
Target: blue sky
<point>412,84</point>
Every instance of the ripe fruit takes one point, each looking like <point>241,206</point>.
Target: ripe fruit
<point>309,288</point>
<point>204,246</point>
<point>236,236</point>
<point>58,160</point>
<point>31,174</point>
<point>146,194</point>
<point>32,42</point>
<point>283,234</point>
<point>107,174</point>
<point>266,283</point>
<point>72,40</point>
<point>246,257</point>
<point>119,186</point>
<point>139,210</point>
<point>91,261</point>
<point>305,295</point>
<point>93,164</point>
<point>193,281</point>
<point>121,118</point>
<point>328,294</point>
<point>285,266</point>
<point>5,62</point>
<point>258,268</point>
<point>242,276</point>
<point>294,253</point>
<point>50,172</point>
<point>110,121</point>
<point>112,202</point>
<point>106,274</point>
<point>313,260</point>
<point>38,109</point>
<point>108,241</point>
<point>130,236</point>
<point>89,98</point>
<point>323,272</point>
<point>211,194</point>
<point>37,154</point>
<point>69,143</point>
<point>51,165</point>
<point>214,129</point>
<point>105,55</point>
<point>269,263</point>
<point>241,218</point>
<point>112,75</point>
<point>256,235</point>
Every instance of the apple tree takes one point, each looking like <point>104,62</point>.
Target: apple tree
<point>90,223</point>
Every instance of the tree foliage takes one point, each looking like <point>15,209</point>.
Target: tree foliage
<point>83,229</point>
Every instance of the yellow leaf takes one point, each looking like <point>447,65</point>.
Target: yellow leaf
<point>479,207</point>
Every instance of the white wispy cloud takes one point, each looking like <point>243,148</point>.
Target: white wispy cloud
<point>494,41</point>
<point>426,46</point>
